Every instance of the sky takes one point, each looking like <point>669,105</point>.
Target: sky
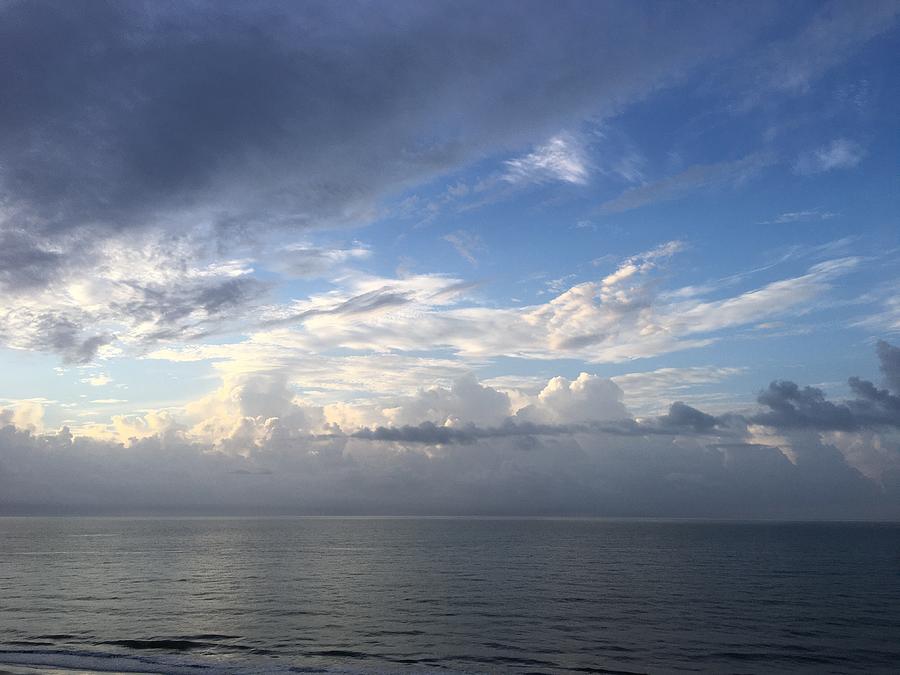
<point>450,258</point>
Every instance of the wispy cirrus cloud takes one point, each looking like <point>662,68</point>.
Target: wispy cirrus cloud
<point>468,244</point>
<point>791,65</point>
<point>839,154</point>
<point>647,391</point>
<point>305,261</point>
<point>809,215</point>
<point>561,158</point>
<point>623,316</point>
<point>692,178</point>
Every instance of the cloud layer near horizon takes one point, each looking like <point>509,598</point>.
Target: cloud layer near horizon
<point>571,449</point>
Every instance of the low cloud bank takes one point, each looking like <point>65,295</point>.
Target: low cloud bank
<point>569,450</point>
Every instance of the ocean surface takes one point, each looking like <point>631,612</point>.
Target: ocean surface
<point>447,595</point>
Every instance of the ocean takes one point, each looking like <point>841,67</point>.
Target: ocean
<point>358,595</point>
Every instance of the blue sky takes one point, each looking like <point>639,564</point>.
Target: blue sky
<point>219,219</point>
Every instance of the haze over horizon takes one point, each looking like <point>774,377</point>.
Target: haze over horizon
<point>508,258</point>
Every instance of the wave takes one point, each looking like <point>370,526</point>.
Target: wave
<point>103,662</point>
<point>174,645</point>
<point>90,661</point>
<point>96,662</point>
<point>93,661</point>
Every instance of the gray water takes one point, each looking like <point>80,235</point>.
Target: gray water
<point>457,595</point>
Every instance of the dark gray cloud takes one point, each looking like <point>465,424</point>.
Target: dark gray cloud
<point>25,262</point>
<point>681,419</point>
<point>794,407</point>
<point>60,332</point>
<point>118,114</point>
<point>431,434</point>
<point>874,406</point>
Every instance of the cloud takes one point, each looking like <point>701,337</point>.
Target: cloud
<point>643,262</point>
<point>681,419</point>
<point>885,318</point>
<point>300,261</point>
<point>623,316</point>
<point>97,380</point>
<point>428,433</point>
<point>587,398</point>
<point>560,159</point>
<point>334,377</point>
<point>515,468</point>
<point>572,449</point>
<point>26,415</point>
<point>466,400</point>
<point>889,357</point>
<point>793,407</point>
<point>279,115</point>
<point>797,292</point>
<point>148,150</point>
<point>792,64</point>
<point>245,407</point>
<point>839,154</point>
<point>152,156</point>
<point>370,296</point>
<point>143,142</point>
<point>26,262</point>
<point>467,244</point>
<point>799,217</point>
<point>647,391</point>
<point>692,178</point>
<point>682,416</point>
<point>374,301</point>
<point>129,291</point>
<point>64,333</point>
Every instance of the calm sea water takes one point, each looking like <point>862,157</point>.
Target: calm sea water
<point>376,595</point>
